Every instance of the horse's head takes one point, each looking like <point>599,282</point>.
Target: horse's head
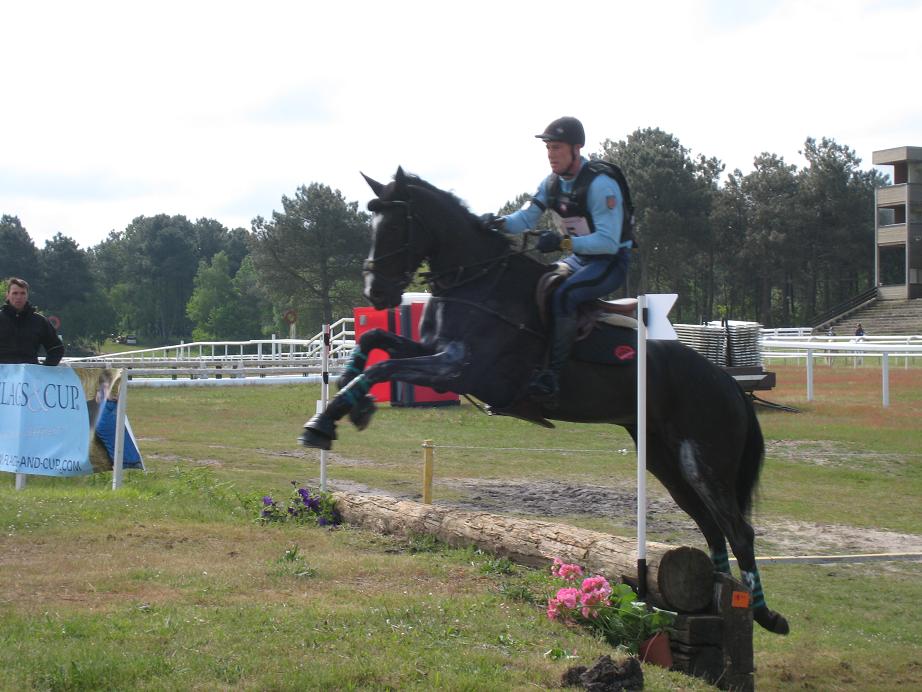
<point>416,221</point>
<point>396,242</point>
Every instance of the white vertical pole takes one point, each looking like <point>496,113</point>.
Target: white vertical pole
<point>118,458</point>
<point>641,446</point>
<point>885,373</point>
<point>20,481</point>
<point>809,375</point>
<point>324,395</point>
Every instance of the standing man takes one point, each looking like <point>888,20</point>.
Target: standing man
<point>588,207</point>
<point>23,330</point>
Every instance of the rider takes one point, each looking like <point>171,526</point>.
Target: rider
<point>590,228</point>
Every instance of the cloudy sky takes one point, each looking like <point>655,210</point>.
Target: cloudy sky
<point>111,110</point>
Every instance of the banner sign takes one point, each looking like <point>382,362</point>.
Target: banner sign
<point>44,425</point>
<point>58,421</point>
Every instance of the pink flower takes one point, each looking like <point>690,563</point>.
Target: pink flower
<point>600,584</point>
<point>566,571</point>
<point>568,597</point>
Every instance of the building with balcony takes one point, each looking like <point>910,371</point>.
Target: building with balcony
<point>898,225</point>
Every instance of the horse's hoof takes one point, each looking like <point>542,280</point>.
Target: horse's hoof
<point>770,620</point>
<point>311,438</point>
<point>319,432</point>
<point>361,413</point>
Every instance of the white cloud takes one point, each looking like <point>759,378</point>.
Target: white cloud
<point>218,109</point>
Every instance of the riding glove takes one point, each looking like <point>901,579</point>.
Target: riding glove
<point>492,222</point>
<point>549,241</point>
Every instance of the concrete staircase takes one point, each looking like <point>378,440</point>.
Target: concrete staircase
<point>884,318</point>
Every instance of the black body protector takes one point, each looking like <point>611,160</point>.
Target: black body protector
<point>570,210</point>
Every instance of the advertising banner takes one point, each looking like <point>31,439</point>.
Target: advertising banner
<point>51,418</point>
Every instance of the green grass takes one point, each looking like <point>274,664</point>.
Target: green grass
<point>168,583</point>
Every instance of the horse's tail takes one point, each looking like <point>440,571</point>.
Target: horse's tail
<point>751,459</point>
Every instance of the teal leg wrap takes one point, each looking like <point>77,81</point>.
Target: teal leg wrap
<point>754,582</point>
<point>357,364</point>
<point>355,390</point>
<point>721,560</point>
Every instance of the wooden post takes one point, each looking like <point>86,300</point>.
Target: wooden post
<point>734,605</point>
<point>427,471</point>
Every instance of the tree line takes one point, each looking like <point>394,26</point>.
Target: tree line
<point>777,245</point>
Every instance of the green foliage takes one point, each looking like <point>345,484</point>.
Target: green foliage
<point>220,307</point>
<point>303,507</point>
<point>18,254</point>
<point>293,564</point>
<point>610,610</point>
<point>310,254</point>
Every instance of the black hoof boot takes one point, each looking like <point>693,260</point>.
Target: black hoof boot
<point>361,413</point>
<point>544,388</point>
<point>319,432</point>
<point>770,620</point>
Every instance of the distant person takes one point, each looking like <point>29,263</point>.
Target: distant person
<point>859,330</point>
<point>23,330</point>
<point>830,332</point>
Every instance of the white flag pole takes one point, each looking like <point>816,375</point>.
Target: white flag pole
<point>641,446</point>
<point>324,395</point>
<point>118,457</point>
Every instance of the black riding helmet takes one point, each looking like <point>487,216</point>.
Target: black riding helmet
<point>566,129</point>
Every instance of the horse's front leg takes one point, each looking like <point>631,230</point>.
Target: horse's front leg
<point>440,370</point>
<point>363,408</point>
<point>395,346</point>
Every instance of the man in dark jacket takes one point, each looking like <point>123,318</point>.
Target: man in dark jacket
<point>22,330</point>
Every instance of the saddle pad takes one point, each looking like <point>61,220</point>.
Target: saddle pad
<point>607,345</point>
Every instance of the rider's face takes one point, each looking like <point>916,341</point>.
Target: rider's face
<point>562,157</point>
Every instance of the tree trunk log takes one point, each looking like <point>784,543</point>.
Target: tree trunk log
<point>678,578</point>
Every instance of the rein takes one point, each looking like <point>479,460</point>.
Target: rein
<point>435,278</point>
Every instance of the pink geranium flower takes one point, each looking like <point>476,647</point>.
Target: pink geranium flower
<point>567,572</point>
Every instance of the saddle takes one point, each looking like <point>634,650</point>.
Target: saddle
<point>609,346</point>
<point>617,313</point>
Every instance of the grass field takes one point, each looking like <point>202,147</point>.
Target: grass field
<point>170,584</point>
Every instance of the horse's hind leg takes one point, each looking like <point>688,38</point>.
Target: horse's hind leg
<point>721,500</point>
<point>659,462</point>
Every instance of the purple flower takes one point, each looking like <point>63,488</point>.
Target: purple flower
<point>305,494</point>
<point>267,500</point>
<point>322,521</point>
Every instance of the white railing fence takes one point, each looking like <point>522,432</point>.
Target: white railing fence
<point>255,361</point>
<point>830,349</point>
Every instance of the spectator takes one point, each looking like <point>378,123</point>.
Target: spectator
<point>859,330</point>
<point>23,330</point>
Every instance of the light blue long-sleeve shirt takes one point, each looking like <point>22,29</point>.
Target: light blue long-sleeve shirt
<point>607,218</point>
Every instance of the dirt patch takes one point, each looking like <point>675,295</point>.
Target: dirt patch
<point>834,454</point>
<point>556,499</point>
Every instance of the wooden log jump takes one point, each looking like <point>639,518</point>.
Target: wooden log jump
<point>678,578</point>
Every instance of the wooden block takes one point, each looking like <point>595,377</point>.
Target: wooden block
<point>735,608</point>
<point>697,630</point>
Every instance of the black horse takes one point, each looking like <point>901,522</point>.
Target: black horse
<point>482,334</point>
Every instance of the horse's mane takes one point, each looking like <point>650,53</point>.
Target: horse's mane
<point>461,207</point>
<point>449,197</point>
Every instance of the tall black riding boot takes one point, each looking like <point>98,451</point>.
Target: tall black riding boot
<point>545,386</point>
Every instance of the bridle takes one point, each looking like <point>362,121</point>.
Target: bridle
<point>396,282</point>
<point>445,279</point>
